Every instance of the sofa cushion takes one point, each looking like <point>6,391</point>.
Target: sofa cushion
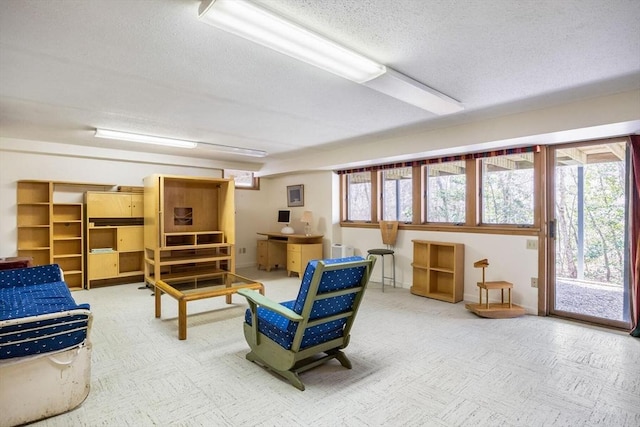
<point>23,295</point>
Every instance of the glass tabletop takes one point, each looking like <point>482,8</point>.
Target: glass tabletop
<point>202,283</point>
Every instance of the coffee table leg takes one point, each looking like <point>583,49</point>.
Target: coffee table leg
<point>158,295</point>
<point>182,319</point>
<point>227,284</point>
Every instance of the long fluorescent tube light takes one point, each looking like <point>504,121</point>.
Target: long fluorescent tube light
<point>145,139</point>
<point>148,139</point>
<point>244,19</point>
<point>249,152</point>
<point>263,27</point>
<point>413,92</point>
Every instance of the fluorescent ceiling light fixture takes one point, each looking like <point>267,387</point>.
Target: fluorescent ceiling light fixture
<point>157,140</point>
<point>406,89</point>
<point>249,152</point>
<point>145,139</point>
<point>244,19</point>
<point>253,23</point>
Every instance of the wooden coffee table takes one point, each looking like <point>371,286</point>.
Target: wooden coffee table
<point>200,286</point>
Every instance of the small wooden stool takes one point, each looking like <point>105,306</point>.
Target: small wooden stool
<point>495,285</point>
<point>494,310</point>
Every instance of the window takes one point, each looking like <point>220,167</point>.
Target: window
<point>495,190</point>
<point>397,194</point>
<point>243,179</point>
<point>446,192</point>
<point>359,196</point>
<point>507,189</point>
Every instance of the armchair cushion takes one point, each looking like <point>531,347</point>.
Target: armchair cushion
<point>282,330</point>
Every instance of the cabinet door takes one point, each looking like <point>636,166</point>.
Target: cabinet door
<point>131,239</point>
<point>103,266</point>
<point>108,205</point>
<point>137,207</point>
<point>310,252</point>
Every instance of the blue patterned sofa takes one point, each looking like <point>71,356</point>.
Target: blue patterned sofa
<point>45,351</point>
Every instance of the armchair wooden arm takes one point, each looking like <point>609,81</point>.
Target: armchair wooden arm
<point>256,299</point>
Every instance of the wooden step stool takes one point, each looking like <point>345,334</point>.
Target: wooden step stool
<point>494,310</point>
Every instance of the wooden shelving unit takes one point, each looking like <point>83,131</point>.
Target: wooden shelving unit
<point>189,226</point>
<point>115,237</point>
<point>438,270</point>
<point>67,236</point>
<point>52,232</point>
<point>34,200</point>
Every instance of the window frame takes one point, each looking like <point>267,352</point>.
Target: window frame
<point>255,181</point>
<point>473,199</point>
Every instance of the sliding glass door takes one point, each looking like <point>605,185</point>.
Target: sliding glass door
<point>589,270</point>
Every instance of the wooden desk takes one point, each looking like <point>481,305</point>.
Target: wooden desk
<point>294,250</point>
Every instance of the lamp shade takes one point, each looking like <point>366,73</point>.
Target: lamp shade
<point>307,216</point>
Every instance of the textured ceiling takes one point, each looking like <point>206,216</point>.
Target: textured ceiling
<point>67,67</point>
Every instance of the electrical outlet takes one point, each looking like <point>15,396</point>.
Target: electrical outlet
<point>534,282</point>
<point>532,244</point>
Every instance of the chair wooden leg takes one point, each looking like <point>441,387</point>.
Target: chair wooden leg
<point>293,378</point>
<point>343,359</point>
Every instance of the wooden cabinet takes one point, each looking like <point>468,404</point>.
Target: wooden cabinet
<point>189,226</point>
<point>102,266</point>
<point>438,270</point>
<point>51,231</point>
<point>114,205</point>
<point>115,252</point>
<point>115,244</point>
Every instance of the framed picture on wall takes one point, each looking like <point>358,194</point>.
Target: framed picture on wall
<point>295,195</point>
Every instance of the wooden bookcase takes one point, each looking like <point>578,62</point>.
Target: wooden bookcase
<point>34,199</point>
<point>67,236</point>
<point>438,270</point>
<point>50,231</point>
<point>189,226</point>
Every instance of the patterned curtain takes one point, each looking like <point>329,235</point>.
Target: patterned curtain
<point>520,150</point>
<point>635,236</point>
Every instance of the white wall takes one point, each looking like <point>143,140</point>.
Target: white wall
<point>15,166</point>
<point>587,119</point>
<point>508,260</point>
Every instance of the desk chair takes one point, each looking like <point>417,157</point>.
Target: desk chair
<point>389,231</point>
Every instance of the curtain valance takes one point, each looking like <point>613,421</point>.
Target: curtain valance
<point>503,152</point>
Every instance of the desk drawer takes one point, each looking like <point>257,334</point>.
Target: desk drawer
<point>293,247</point>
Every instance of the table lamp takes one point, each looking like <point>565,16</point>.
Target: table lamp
<point>307,217</point>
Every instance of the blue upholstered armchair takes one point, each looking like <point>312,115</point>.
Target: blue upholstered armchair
<point>288,337</point>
